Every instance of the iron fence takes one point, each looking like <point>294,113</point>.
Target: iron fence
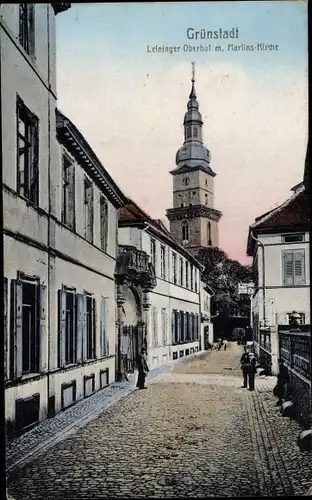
<point>295,351</point>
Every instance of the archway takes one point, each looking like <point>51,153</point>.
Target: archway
<point>132,317</point>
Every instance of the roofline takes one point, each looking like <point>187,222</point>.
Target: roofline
<point>186,169</point>
<point>160,235</point>
<point>85,154</point>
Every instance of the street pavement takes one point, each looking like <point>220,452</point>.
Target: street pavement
<point>193,433</point>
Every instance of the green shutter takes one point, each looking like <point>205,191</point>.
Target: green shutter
<point>43,337</point>
<point>288,268</point>
<point>62,327</point>
<point>79,326</point>
<point>299,267</point>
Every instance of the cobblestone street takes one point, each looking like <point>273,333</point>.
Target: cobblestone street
<point>194,433</point>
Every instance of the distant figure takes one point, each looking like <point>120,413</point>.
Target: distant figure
<point>225,344</point>
<point>142,368</point>
<point>219,343</point>
<point>245,366</point>
<point>282,381</point>
<point>252,373</point>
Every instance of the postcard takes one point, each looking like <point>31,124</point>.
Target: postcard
<point>155,186</point>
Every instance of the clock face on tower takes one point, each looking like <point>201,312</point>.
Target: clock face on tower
<point>186,181</point>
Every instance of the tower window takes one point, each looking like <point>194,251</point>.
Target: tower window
<point>185,231</point>
<point>206,182</point>
<point>194,192</point>
<point>209,234</point>
<point>195,132</point>
<point>186,181</point>
<point>188,133</point>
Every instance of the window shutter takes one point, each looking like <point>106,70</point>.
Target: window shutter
<point>79,326</point>
<point>173,338</point>
<point>104,224</point>
<point>94,328</point>
<point>5,310</point>
<point>42,338</point>
<point>18,327</point>
<point>299,270</point>
<point>84,328</point>
<point>62,328</point>
<point>34,155</point>
<point>197,327</point>
<point>288,268</point>
<point>185,326</point>
<point>104,340</point>
<point>71,195</point>
<point>179,327</point>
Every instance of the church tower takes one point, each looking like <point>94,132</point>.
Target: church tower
<point>193,218</point>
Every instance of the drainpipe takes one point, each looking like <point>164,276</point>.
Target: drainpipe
<point>263,273</point>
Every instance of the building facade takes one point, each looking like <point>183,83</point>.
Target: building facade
<point>173,305</point>
<point>278,241</point>
<point>193,218</point>
<point>60,233</point>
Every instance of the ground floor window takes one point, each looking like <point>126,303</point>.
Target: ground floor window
<point>27,325</point>
<point>77,327</point>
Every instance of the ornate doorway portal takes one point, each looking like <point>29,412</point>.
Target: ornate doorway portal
<point>132,316</point>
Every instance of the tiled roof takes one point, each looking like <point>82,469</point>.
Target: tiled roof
<point>294,212</point>
<point>131,212</point>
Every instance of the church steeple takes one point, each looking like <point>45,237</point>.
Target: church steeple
<point>193,152</point>
<point>193,218</point>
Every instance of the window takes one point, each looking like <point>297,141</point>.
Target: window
<point>192,276</point>
<point>206,198</point>
<point>162,262</point>
<point>154,326</point>
<point>188,132</point>
<point>28,325</point>
<point>174,326</point>
<point>104,337</point>
<point>67,327</point>
<point>68,193</point>
<point>153,252</point>
<point>174,268</point>
<point>185,231</point>
<point>301,320</point>
<point>164,326</point>
<point>27,153</point>
<point>293,265</point>
<point>104,223</point>
<point>5,325</point>
<point>27,27</point>
<point>182,332</point>
<point>181,272</point>
<point>186,181</point>
<point>195,132</point>
<point>196,280</point>
<point>90,327</point>
<point>206,182</point>
<point>186,275</point>
<point>292,238</point>
<point>88,210</point>
<point>209,234</point>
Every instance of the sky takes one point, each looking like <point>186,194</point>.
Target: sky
<point>129,102</point>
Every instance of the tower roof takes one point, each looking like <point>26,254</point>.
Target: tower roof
<point>193,154</point>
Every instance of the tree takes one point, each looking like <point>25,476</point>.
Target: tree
<point>223,275</point>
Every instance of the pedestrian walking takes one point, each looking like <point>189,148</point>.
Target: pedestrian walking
<point>245,366</point>
<point>282,381</point>
<point>252,373</point>
<point>142,369</point>
<point>225,344</point>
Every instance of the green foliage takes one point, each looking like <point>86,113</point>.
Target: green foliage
<point>223,274</point>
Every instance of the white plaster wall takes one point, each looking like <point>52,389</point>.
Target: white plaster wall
<point>23,391</point>
<point>44,42</point>
<point>280,299</point>
<point>65,376</point>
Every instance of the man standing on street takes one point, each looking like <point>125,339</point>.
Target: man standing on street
<point>282,381</point>
<point>142,369</point>
<point>245,366</point>
<point>252,373</point>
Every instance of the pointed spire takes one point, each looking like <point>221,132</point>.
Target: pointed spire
<point>193,92</point>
